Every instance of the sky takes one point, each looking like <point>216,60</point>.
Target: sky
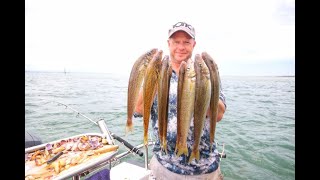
<point>247,37</point>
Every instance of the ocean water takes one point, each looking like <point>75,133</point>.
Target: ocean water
<point>258,128</point>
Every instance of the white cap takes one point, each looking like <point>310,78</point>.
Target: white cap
<point>182,26</point>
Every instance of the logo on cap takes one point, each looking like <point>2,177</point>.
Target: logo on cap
<point>182,26</point>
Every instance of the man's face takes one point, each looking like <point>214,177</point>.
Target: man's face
<point>181,46</point>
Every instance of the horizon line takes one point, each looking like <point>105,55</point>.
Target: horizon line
<point>65,72</point>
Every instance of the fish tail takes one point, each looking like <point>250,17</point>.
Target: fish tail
<point>182,150</point>
<point>164,147</point>
<point>213,124</point>
<point>211,147</point>
<point>176,148</point>
<point>145,139</point>
<point>129,127</point>
<point>194,154</point>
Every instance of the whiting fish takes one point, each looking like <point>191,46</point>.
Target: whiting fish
<point>135,82</point>
<point>201,104</point>
<point>163,98</point>
<point>215,91</point>
<point>182,72</point>
<point>185,105</point>
<point>151,79</point>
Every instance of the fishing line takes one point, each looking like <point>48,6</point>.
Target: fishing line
<point>78,113</point>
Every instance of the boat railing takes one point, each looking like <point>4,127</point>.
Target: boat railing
<point>114,161</point>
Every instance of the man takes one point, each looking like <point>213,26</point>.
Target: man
<point>181,42</point>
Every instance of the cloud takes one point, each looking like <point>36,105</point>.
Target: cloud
<point>108,36</point>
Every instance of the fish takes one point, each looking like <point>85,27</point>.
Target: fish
<point>163,99</point>
<point>201,104</point>
<point>151,79</point>
<point>135,83</point>
<point>215,92</point>
<point>182,72</point>
<point>185,105</point>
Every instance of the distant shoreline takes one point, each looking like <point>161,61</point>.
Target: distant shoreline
<point>117,73</point>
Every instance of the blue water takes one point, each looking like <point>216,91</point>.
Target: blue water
<point>258,128</point>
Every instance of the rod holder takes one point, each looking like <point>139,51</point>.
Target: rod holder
<point>104,129</point>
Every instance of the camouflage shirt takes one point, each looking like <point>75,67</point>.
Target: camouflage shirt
<point>208,162</point>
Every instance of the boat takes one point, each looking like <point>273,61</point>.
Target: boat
<point>106,167</point>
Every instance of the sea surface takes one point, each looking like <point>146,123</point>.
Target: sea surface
<point>257,130</point>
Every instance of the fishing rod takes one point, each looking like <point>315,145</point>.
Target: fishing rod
<point>104,129</point>
<point>78,113</point>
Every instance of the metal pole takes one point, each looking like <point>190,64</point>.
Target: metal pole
<point>146,157</point>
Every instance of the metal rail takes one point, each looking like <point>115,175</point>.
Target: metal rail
<point>112,162</point>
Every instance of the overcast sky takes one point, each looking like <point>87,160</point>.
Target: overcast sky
<point>245,37</point>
